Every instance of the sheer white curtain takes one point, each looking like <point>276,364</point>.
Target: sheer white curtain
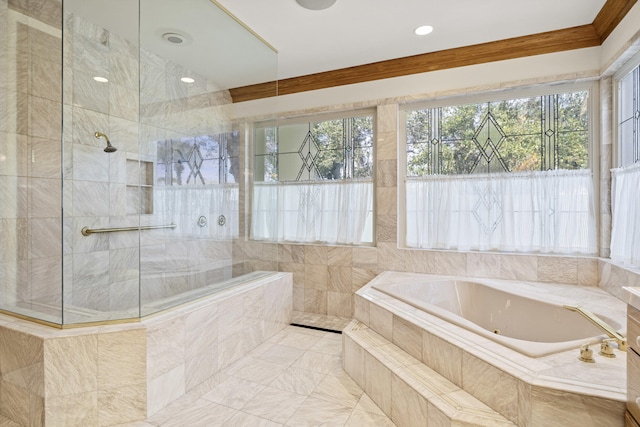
<point>550,211</point>
<point>327,211</point>
<point>185,204</point>
<point>625,199</point>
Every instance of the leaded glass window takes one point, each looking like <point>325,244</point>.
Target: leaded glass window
<point>200,160</point>
<point>523,134</point>
<point>629,118</point>
<point>509,175</point>
<point>315,151</point>
<point>320,175</point>
<point>625,179</point>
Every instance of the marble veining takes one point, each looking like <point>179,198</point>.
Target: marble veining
<point>45,118</point>
<point>71,366</point>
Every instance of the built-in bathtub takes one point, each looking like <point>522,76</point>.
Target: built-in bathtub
<point>553,388</point>
<point>510,314</point>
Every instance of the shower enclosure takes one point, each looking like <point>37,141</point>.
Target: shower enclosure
<point>123,174</point>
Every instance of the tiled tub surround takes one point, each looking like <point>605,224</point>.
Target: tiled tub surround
<point>406,390</point>
<point>552,390</point>
<point>327,277</point>
<point>106,375</point>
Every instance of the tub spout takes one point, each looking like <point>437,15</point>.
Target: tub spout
<point>601,324</point>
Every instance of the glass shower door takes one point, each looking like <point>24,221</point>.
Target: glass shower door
<point>123,168</point>
<point>101,121</point>
<point>30,159</point>
<point>192,151</point>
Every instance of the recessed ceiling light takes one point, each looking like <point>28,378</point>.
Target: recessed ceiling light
<point>316,4</point>
<point>101,79</point>
<point>187,79</point>
<point>423,30</point>
<point>174,38</point>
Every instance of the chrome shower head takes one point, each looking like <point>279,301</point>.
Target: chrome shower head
<point>109,148</point>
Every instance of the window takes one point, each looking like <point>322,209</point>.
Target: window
<point>197,177</point>
<point>511,174</point>
<point>200,160</point>
<point>320,175</point>
<point>534,133</point>
<point>625,198</point>
<point>629,118</point>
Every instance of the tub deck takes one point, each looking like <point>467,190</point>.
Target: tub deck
<point>526,390</point>
<point>530,319</point>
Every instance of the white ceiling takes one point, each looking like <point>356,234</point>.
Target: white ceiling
<point>355,32</point>
<point>351,32</point>
<point>215,46</point>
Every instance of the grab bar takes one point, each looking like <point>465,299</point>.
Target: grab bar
<point>87,231</point>
<point>612,333</point>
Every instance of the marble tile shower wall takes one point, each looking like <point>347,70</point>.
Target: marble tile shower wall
<point>326,277</point>
<point>144,102</point>
<point>30,155</point>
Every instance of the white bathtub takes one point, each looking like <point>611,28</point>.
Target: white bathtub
<point>524,317</point>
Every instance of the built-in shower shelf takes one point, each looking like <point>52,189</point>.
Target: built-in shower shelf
<point>139,187</point>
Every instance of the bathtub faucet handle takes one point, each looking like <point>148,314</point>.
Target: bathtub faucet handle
<point>606,349</point>
<point>586,354</point>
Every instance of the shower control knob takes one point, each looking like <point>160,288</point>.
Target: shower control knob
<point>202,221</point>
<point>222,220</point>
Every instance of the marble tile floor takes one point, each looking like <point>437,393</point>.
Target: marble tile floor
<point>294,379</point>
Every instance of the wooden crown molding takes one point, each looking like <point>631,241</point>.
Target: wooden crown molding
<point>584,36</point>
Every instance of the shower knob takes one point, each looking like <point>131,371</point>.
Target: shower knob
<point>202,221</point>
<point>222,220</point>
